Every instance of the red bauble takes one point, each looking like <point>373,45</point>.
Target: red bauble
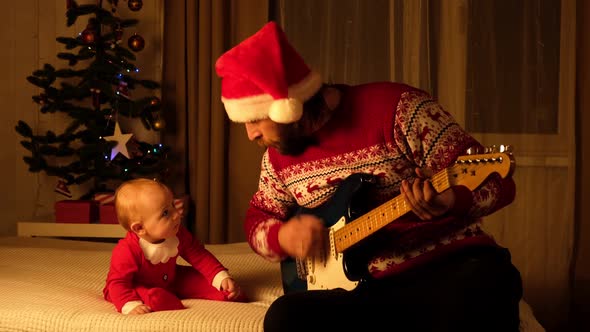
<point>136,42</point>
<point>88,36</point>
<point>135,5</point>
<point>155,103</point>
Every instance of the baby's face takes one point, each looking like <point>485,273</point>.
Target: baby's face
<point>160,218</point>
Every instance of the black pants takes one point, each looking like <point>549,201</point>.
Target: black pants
<point>476,290</point>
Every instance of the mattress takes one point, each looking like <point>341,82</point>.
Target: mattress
<point>51,284</point>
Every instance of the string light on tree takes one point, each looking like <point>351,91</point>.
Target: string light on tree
<point>159,123</point>
<point>41,99</point>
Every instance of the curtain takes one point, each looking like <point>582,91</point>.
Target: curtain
<point>581,286</point>
<point>506,70</point>
<point>205,149</point>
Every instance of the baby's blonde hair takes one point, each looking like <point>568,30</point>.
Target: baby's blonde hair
<point>126,198</point>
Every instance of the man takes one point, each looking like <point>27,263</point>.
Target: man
<point>430,269</point>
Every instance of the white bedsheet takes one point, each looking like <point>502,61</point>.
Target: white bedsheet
<point>56,285</point>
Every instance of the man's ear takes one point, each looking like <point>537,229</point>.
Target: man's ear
<point>137,227</point>
<point>331,97</point>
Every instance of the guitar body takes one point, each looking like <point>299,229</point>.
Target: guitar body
<point>333,270</point>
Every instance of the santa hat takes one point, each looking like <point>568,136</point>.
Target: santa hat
<point>264,77</point>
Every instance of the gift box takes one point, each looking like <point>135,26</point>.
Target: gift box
<point>106,210</point>
<point>104,197</point>
<point>107,214</point>
<point>76,211</point>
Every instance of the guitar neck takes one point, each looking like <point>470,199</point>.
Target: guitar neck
<point>369,223</point>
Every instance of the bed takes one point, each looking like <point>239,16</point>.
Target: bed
<point>49,284</point>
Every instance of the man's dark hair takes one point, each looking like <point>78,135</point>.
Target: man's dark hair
<point>293,142</point>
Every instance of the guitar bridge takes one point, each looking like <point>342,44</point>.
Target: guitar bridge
<point>301,266</point>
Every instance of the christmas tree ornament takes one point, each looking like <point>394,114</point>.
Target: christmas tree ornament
<point>121,140</point>
<point>43,99</point>
<point>95,97</point>
<point>88,36</point>
<point>118,34</point>
<point>123,89</point>
<point>135,5</point>
<point>136,42</point>
<point>61,187</point>
<point>155,103</point>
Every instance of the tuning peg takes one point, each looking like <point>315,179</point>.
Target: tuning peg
<point>505,148</point>
<point>474,150</point>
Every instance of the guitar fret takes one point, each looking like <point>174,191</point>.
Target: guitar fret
<point>376,219</point>
<point>465,171</point>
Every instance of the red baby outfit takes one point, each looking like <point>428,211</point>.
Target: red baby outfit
<point>161,285</point>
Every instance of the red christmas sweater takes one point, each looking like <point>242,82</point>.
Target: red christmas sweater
<point>130,268</point>
<point>387,130</point>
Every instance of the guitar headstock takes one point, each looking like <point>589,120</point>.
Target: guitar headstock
<point>472,169</point>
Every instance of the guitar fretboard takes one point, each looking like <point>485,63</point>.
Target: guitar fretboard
<point>369,223</point>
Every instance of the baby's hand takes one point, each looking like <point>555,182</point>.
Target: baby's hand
<point>140,310</point>
<point>231,287</point>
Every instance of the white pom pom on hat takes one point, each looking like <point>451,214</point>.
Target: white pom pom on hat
<point>286,110</point>
<point>264,77</point>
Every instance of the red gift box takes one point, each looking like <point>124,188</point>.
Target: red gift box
<point>105,197</point>
<point>76,211</point>
<point>108,214</point>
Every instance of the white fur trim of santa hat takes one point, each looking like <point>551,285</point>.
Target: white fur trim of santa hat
<point>264,106</point>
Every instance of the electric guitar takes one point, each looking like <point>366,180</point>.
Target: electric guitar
<point>341,264</point>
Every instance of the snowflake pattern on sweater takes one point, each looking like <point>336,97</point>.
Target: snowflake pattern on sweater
<point>387,130</point>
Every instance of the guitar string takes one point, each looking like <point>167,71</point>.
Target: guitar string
<point>390,210</point>
<point>366,225</point>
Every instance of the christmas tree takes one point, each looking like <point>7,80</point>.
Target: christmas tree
<point>94,91</point>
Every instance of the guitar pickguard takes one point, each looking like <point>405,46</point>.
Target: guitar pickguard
<point>328,270</point>
<point>348,202</point>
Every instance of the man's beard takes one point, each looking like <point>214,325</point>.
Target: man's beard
<point>291,141</point>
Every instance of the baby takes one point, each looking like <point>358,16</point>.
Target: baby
<point>143,275</point>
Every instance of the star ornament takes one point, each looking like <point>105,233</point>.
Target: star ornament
<point>121,140</point>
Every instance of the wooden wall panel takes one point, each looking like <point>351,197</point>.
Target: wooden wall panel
<point>537,229</point>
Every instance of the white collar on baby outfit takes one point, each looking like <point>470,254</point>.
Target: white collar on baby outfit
<point>159,252</point>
